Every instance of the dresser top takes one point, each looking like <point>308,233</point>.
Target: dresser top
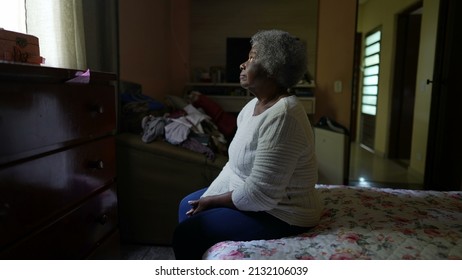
<point>43,74</point>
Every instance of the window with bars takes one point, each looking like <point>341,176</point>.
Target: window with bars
<point>370,89</point>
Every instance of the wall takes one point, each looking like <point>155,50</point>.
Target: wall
<point>335,52</point>
<point>101,35</point>
<point>154,41</point>
<point>213,21</point>
<point>154,45</point>
<point>376,13</point>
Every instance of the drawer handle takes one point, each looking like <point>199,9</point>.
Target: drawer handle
<point>98,109</point>
<point>103,219</point>
<point>97,164</point>
<point>4,209</point>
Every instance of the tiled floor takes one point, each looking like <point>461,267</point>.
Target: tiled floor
<point>146,252</point>
<point>368,169</point>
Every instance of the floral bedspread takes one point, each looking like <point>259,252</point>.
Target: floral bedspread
<point>367,223</point>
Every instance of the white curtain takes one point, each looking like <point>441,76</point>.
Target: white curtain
<point>60,28</point>
<point>12,16</point>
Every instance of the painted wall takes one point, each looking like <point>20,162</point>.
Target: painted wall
<point>375,13</point>
<point>101,35</point>
<point>213,21</point>
<point>335,52</point>
<point>161,41</point>
<point>154,45</point>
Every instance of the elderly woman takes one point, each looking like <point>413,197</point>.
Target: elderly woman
<point>266,190</point>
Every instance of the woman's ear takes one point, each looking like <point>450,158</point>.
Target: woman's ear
<point>261,70</point>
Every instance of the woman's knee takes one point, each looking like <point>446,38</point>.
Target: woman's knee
<point>189,240</point>
<point>184,206</point>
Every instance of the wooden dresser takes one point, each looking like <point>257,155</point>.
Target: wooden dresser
<point>57,165</point>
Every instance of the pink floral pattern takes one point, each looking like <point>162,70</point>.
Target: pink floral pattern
<point>367,223</point>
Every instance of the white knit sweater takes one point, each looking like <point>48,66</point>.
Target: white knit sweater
<point>272,166</point>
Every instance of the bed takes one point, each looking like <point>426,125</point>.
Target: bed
<point>367,223</point>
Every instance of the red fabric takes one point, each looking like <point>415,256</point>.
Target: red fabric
<point>226,122</point>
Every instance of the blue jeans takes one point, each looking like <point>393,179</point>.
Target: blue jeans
<point>195,234</point>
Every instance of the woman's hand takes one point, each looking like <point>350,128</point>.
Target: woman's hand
<point>198,206</point>
<point>209,202</point>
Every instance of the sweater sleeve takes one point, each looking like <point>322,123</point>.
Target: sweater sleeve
<point>281,141</point>
<point>221,183</point>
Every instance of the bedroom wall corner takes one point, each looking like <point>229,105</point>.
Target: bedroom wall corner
<point>335,54</point>
<point>180,38</point>
<point>154,43</point>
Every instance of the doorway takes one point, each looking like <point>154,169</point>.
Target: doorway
<point>404,83</point>
<point>380,160</point>
<point>370,88</point>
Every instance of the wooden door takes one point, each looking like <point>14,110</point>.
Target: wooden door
<point>404,83</point>
<point>444,148</point>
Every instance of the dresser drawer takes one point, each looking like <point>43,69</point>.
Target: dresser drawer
<point>37,118</point>
<point>75,235</point>
<point>107,249</point>
<point>34,192</point>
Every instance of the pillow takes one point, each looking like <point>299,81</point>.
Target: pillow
<point>176,102</point>
<point>226,122</point>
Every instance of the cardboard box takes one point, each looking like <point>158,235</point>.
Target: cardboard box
<point>19,47</point>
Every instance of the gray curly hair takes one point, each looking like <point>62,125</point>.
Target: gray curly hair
<point>281,55</point>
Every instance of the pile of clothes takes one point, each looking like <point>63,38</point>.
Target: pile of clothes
<point>199,125</point>
<point>188,128</point>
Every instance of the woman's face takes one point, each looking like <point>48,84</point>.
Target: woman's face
<point>251,71</point>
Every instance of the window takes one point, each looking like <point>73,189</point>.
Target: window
<point>58,24</point>
<point>371,73</point>
<point>13,15</point>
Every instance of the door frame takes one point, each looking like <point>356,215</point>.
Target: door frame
<point>404,83</point>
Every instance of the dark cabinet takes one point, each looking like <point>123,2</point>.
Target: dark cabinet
<point>58,195</point>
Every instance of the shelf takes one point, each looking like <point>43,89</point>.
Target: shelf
<point>300,85</point>
<point>214,84</point>
<point>234,104</point>
<point>232,97</point>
